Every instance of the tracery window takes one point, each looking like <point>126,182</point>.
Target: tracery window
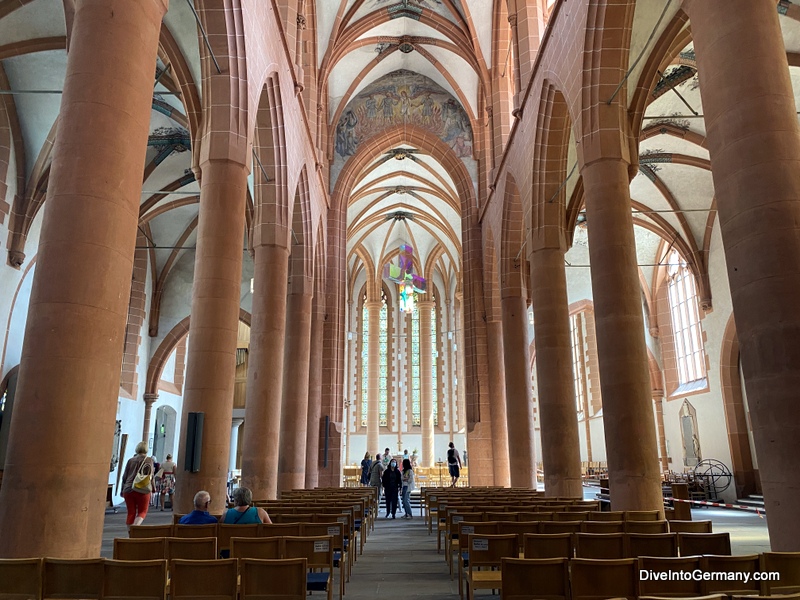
<point>383,377</point>
<point>364,361</point>
<point>416,417</point>
<point>578,363</point>
<point>688,336</point>
<point>434,366</point>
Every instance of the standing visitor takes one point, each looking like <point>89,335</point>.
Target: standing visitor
<point>167,478</point>
<point>137,485</point>
<point>387,457</point>
<point>453,464</point>
<point>392,483</point>
<point>365,465</point>
<point>408,487</point>
<point>375,475</point>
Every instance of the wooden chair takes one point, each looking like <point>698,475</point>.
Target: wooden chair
<point>709,597</point>
<point>20,578</point>
<point>318,552</point>
<point>487,552</point>
<point>559,526</point>
<point>279,530</point>
<point>195,531</point>
<point>690,544</point>
<point>203,579</point>
<point>746,564</point>
<point>593,579</point>
<point>518,528</point>
<point>191,548</point>
<point>135,580</point>
<point>79,578</point>
<point>690,526</point>
<point>651,586</point>
<point>543,579</point>
<point>571,516</point>
<point>785,563</point>
<point>599,545</point>
<point>176,517</point>
<point>226,532</point>
<point>293,518</point>
<point>260,548</point>
<point>646,527</point>
<point>452,540</point>
<point>465,529</point>
<point>607,515</point>
<point>273,579</point>
<point>643,515</point>
<point>548,545</point>
<point>602,527</point>
<point>139,549</point>
<point>151,531</point>
<point>335,531</point>
<point>664,545</point>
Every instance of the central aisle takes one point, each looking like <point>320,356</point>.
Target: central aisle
<point>400,561</point>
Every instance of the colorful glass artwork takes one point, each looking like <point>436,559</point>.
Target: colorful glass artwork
<point>403,274</point>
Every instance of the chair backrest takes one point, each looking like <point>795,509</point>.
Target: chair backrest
<point>335,530</point>
<point>785,563</point>
<point>518,528</point>
<point>135,579</point>
<point>543,579</point>
<point>192,548</point>
<point>643,515</point>
<point>176,517</point>
<point>79,578</point>
<point>294,518</point>
<point>599,545</point>
<point>559,526</point>
<point>502,516</point>
<point>283,579</point>
<point>459,517</point>
<point>690,544</point>
<point>656,580</point>
<point>268,530</point>
<point>593,579</point>
<point>652,544</point>
<point>151,531</point>
<point>745,564</point>
<point>195,531</point>
<point>489,550</point>
<point>752,597</point>
<point>139,548</point>
<point>646,527</point>
<point>191,579</point>
<point>226,532</point>
<point>261,548</point>
<point>573,515</point>
<point>21,577</point>
<point>483,527</point>
<point>607,515</point>
<point>602,526</point>
<point>548,545</point>
<point>317,550</point>
<point>690,526</point>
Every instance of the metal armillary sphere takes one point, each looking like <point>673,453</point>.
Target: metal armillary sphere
<point>714,474</point>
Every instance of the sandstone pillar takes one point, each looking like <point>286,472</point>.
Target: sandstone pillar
<point>754,143</point>
<point>214,327</point>
<point>261,446</point>
<point>66,398</point>
<point>235,424</point>
<point>425,308</point>
<point>497,399</point>
<point>294,416</point>
<point>315,391</point>
<point>633,471</point>
<point>561,453</point>
<point>519,393</point>
<point>149,400</point>
<point>373,374</point>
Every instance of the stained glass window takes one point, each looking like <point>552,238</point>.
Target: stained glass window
<point>434,367</point>
<point>364,363</point>
<point>384,363</point>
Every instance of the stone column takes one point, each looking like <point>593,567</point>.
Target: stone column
<point>66,398</point>
<point>261,446</point>
<point>373,374</point>
<point>561,452</point>
<point>519,393</point>
<point>497,397</point>
<point>633,471</point>
<point>425,382</point>
<point>315,391</point>
<point>214,326</point>
<point>149,400</point>
<point>658,400</point>
<point>449,370</point>
<point>294,416</point>
<point>235,424</point>
<point>754,143</point>
<point>461,397</point>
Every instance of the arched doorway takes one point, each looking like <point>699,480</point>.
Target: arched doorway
<point>164,433</point>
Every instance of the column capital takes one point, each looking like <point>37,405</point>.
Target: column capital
<point>150,398</point>
<point>373,304</point>
<point>236,421</point>
<point>425,303</point>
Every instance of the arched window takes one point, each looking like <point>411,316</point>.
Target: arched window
<point>688,336</point>
<point>383,378</point>
<point>578,364</point>
<point>415,367</point>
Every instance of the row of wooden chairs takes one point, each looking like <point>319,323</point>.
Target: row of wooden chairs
<point>587,579</point>
<point>107,579</point>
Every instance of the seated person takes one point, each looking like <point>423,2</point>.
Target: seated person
<point>199,516</point>
<point>242,513</point>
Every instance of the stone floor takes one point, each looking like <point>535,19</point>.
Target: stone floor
<point>400,559</point>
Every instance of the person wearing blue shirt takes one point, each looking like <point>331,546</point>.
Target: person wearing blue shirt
<point>199,516</point>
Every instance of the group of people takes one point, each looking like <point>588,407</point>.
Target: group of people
<point>382,473</point>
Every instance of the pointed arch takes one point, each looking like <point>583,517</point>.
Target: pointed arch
<point>512,271</point>
<point>301,264</point>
